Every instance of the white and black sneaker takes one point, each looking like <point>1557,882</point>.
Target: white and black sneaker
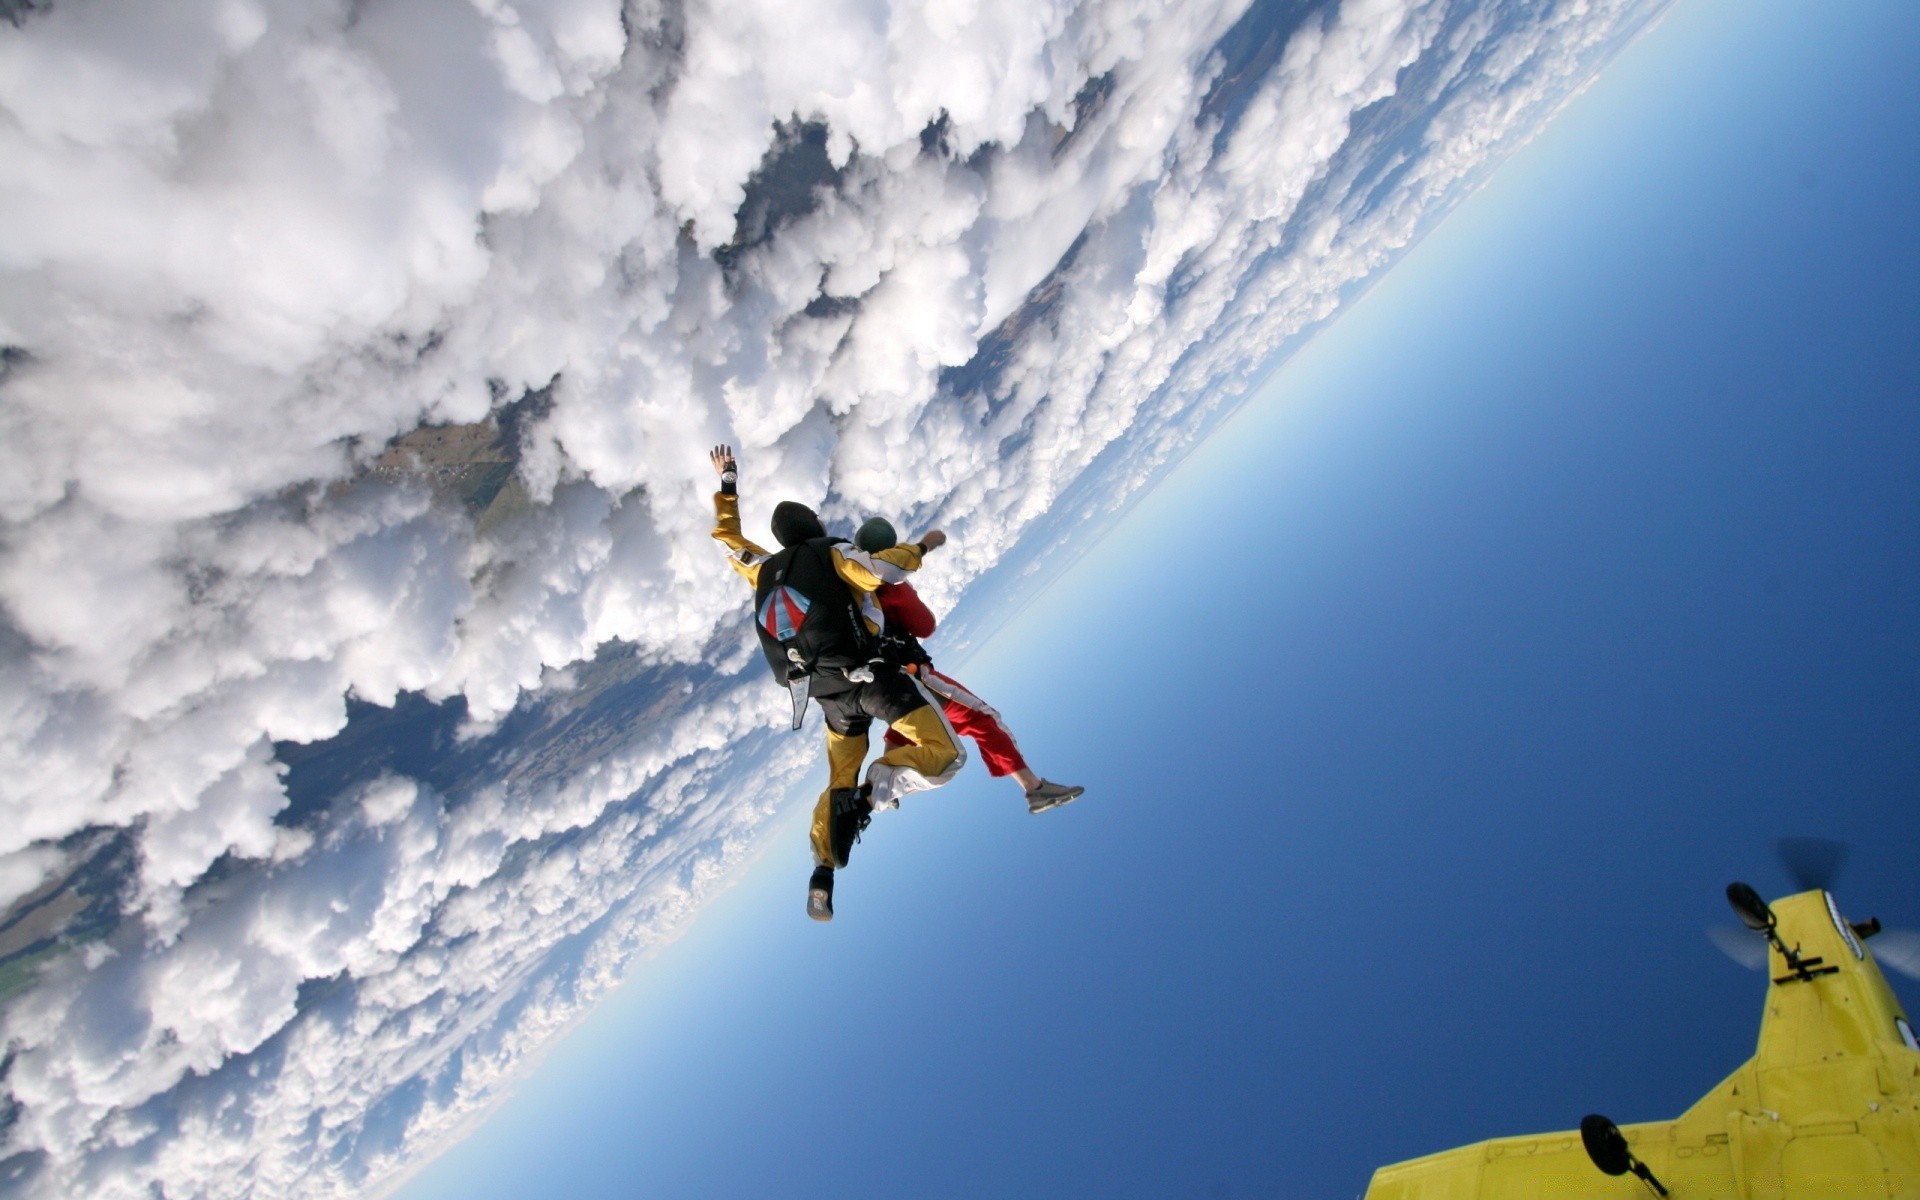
<point>1047,794</point>
<point>820,894</point>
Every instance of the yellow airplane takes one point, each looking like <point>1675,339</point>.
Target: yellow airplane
<point>1828,1108</point>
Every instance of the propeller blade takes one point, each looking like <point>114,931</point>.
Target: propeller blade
<point>1812,862</point>
<point>1740,944</point>
<point>1899,949</point>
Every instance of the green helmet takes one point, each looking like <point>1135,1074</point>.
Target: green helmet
<point>876,535</point>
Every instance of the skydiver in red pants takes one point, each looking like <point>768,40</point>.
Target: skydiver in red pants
<point>907,621</point>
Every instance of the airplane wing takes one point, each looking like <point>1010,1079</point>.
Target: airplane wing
<point>1552,1166</point>
<point>1827,1109</point>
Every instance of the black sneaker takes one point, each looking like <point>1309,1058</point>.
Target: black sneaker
<point>851,812</point>
<point>820,894</point>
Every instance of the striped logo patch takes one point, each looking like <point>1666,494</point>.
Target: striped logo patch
<point>782,612</point>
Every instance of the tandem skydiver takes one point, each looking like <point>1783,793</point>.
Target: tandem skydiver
<point>819,625</point>
<point>907,621</point>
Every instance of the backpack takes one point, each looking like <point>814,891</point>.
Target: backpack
<point>809,623</point>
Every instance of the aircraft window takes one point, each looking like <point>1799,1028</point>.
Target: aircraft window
<point>1906,1033</point>
<point>1839,923</point>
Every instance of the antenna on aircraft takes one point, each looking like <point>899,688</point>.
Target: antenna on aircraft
<point>1607,1147</point>
<point>1755,914</point>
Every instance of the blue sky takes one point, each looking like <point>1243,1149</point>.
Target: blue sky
<point>1424,711</point>
<point>436,440</point>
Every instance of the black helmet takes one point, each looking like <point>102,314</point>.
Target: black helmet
<point>794,523</point>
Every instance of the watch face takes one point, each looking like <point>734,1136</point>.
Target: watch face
<point>1906,1033</point>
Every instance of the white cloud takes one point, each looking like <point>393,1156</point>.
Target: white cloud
<point>244,247</point>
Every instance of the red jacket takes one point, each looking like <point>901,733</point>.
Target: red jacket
<point>905,611</point>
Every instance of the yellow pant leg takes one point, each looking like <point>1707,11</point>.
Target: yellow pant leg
<point>931,749</point>
<point>932,757</point>
<point>844,756</point>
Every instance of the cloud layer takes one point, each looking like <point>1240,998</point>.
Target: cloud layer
<point>951,264</point>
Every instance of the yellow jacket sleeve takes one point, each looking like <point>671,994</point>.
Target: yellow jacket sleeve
<point>862,572</point>
<point>742,555</point>
<point>865,572</point>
